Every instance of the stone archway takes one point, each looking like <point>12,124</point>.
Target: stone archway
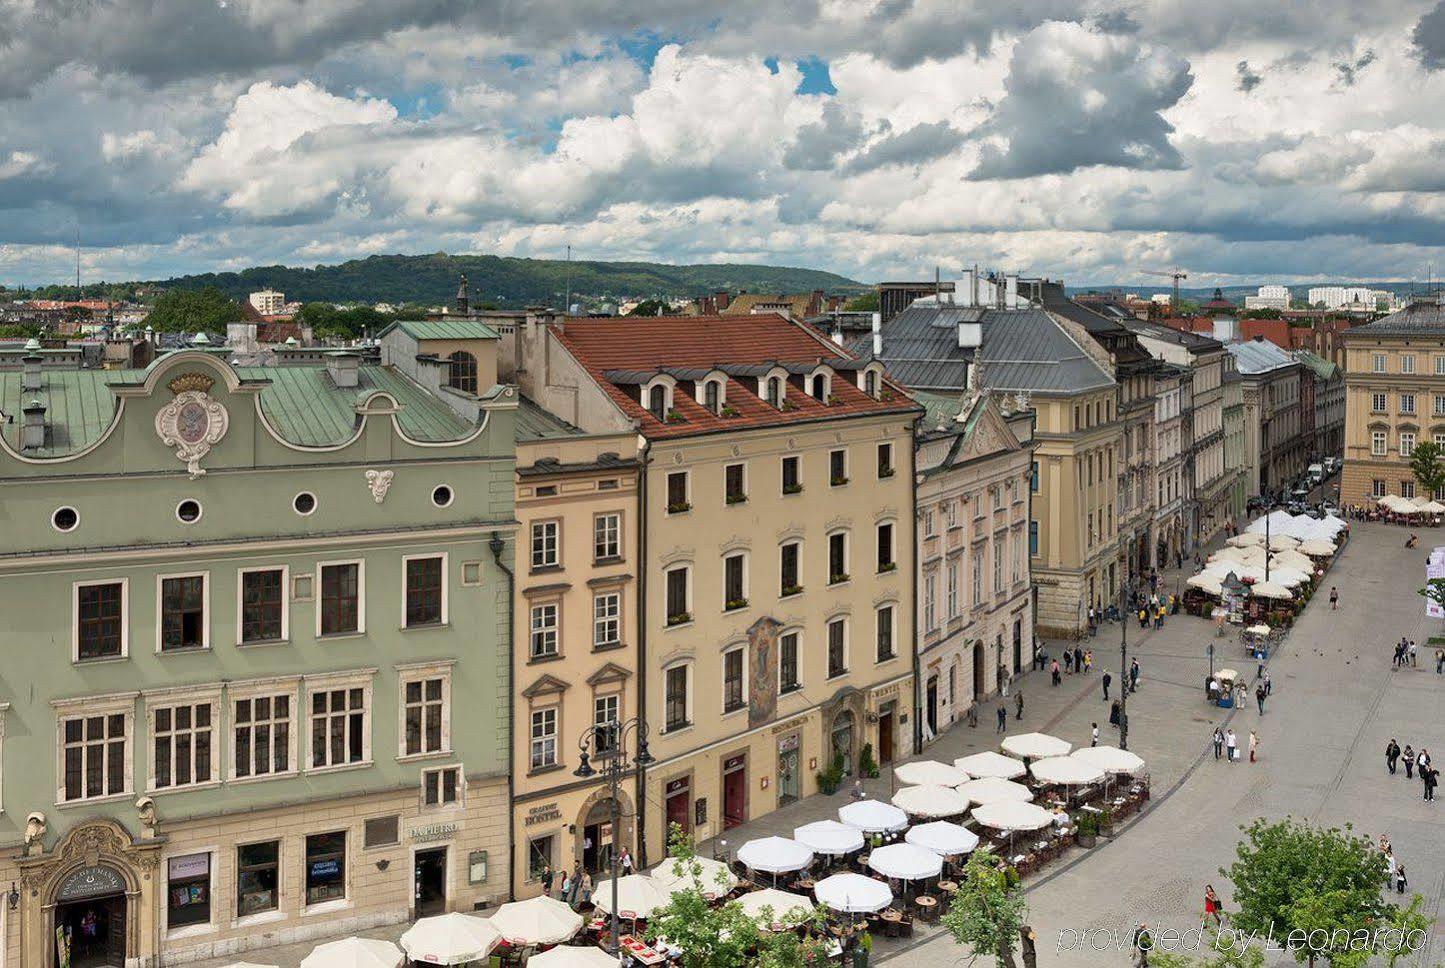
<point>594,813</point>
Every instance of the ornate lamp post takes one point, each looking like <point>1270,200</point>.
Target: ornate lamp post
<point>1124,593</point>
<point>607,744</point>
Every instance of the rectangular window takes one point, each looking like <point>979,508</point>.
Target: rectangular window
<point>188,890</point>
<point>792,478</point>
<point>677,604</point>
<point>930,524</point>
<point>424,709</point>
<point>94,756</point>
<point>425,591</point>
<point>183,613</point>
<point>677,501</point>
<point>606,537</point>
<point>883,620</point>
<point>1378,403</point>
<point>607,718</point>
<point>1438,404</point>
<point>544,630</point>
<point>1407,443</point>
<point>1439,440</point>
<point>788,662</point>
<point>1407,403</point>
<point>1379,443</point>
<point>735,488</point>
<point>544,738</point>
<point>675,697</point>
<point>837,647</point>
<point>950,589</point>
<point>606,620</point>
<point>886,561</point>
<point>262,733</point>
<point>950,514</point>
<point>1034,477</point>
<point>325,867</point>
<point>1378,362</point>
<point>257,880</point>
<point>539,856</point>
<point>1407,489</point>
<point>837,558</point>
<point>1377,488</point>
<point>545,553</point>
<point>789,583</point>
<point>441,787</point>
<point>1033,537</point>
<point>734,590</point>
<point>181,741</point>
<point>263,605</point>
<point>837,467</point>
<point>100,620</point>
<point>1407,363</point>
<point>930,597</point>
<point>339,724</point>
<point>340,598</point>
<point>733,680</point>
<point>885,460</point>
<point>977,576</point>
<point>997,567</point>
<point>1440,366</point>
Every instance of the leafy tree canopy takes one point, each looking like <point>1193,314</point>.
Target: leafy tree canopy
<point>988,909</point>
<point>1427,466</point>
<point>866,303</point>
<point>191,311</point>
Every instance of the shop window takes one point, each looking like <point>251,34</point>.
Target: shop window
<point>257,880</point>
<point>325,867</point>
<point>188,890</point>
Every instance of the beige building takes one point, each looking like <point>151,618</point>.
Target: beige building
<point>1394,399</point>
<point>776,628</point>
<point>575,628</point>
<point>268,302</point>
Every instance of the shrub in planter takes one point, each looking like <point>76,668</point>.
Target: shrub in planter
<point>866,764</point>
<point>1088,830</point>
<point>1106,823</point>
<point>830,779</point>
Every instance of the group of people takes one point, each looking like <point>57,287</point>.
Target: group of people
<point>1226,744</point>
<point>576,885</point>
<point>1154,609</point>
<point>1414,763</point>
<point>1075,660</point>
<point>1394,870</point>
<point>1406,654</point>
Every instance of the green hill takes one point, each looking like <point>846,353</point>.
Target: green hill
<point>432,279</point>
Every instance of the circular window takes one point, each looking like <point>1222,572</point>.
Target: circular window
<point>441,496</point>
<point>65,519</point>
<point>189,511</point>
<point>304,503</point>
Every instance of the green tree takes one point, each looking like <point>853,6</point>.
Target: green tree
<point>651,307</point>
<point>190,311</point>
<point>1434,590</point>
<point>1228,957</point>
<point>866,303</point>
<point>988,909</point>
<point>1427,466</point>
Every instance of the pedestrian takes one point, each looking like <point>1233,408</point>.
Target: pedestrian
<point>1094,739</point>
<point>1078,659</point>
<point>1268,686</point>
<point>1143,944</point>
<point>1143,617</point>
<point>1422,759</point>
<point>1211,906</point>
<point>1432,780</point>
<point>1259,696</point>
<point>1414,664</point>
<point>1019,706</point>
<point>1392,754</point>
<point>1069,661</point>
<point>858,793</point>
<point>547,877</point>
<point>584,896</point>
<point>1088,660</point>
<point>1400,882</point>
<point>1409,759</point>
<point>1439,661</point>
<point>1114,714</point>
<point>1002,718</point>
<point>1054,672</point>
<point>1334,598</point>
<point>1253,745</point>
<point>1108,680</point>
<point>1091,618</point>
<point>1133,675</point>
<point>1231,745</point>
<point>1390,868</point>
<point>1218,742</point>
<point>575,889</point>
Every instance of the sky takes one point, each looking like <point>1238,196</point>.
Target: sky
<point>1243,141</point>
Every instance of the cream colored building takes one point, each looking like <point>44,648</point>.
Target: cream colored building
<point>268,302</point>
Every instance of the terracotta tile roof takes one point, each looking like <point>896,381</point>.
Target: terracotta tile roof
<point>626,350</point>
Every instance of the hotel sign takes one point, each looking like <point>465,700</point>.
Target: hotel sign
<point>545,813</point>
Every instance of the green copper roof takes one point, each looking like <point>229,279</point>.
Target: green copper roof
<point>1319,364</point>
<point>444,329</point>
<point>78,408</point>
<point>305,407</point>
<point>939,408</point>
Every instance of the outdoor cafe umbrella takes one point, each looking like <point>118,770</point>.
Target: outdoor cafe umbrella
<point>1259,629</point>
<point>829,837</point>
<point>1317,548</point>
<point>711,877</point>
<point>1110,759</point>
<point>779,908</point>
<point>1013,816</point>
<point>569,956</point>
<point>1289,577</point>
<point>1207,583</point>
<point>1065,771</point>
<point>637,896</point>
<point>450,939</point>
<point>942,837</point>
<point>990,764</point>
<point>990,789</point>
<point>1245,540</point>
<point>540,920</point>
<point>873,817</point>
<point>774,855</point>
<point>853,894</point>
<point>1434,507</point>
<point>930,801</point>
<point>1229,674</point>
<point>929,772</point>
<point>1268,589</point>
<point>1283,542</point>
<point>906,862</point>
<point>1035,746</point>
<point>355,953</point>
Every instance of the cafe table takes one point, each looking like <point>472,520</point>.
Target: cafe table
<point>642,952</point>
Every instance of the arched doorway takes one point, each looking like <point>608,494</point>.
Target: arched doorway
<point>90,918</point>
<point>977,671</point>
<point>599,836</point>
<point>842,735</point>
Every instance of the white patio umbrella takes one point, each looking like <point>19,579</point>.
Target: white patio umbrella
<point>638,896</point>
<point>774,855</point>
<point>1066,771</point>
<point>942,837</point>
<point>991,789</point>
<point>1317,548</point>
<point>906,862</point>
<point>1260,629</point>
<point>450,939</point>
<point>1013,816</point>
<point>1246,540</point>
<point>1226,674</point>
<point>711,877</point>
<point>990,764</point>
<point>1269,589</point>
<point>1289,577</point>
<point>930,801</point>
<point>873,817</point>
<point>1110,759</point>
<point>829,837</point>
<point>925,772</point>
<point>540,920</point>
<point>853,894</point>
<point>1206,583</point>
<point>1434,507</point>
<point>1035,745</point>
<point>355,953</point>
<point>572,956</point>
<point>1283,542</point>
<point>775,909</point>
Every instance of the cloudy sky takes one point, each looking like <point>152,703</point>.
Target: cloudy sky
<point>1243,140</point>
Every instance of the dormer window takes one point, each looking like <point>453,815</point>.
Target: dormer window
<point>819,388</point>
<point>774,392</point>
<point>870,383</point>
<point>712,396</point>
<point>657,402</point>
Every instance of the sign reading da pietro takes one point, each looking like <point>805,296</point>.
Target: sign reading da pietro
<point>433,832</point>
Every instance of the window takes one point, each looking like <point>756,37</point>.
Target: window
<point>837,557</point>
<point>837,647</point>
<point>735,489</point>
<point>735,593</point>
<point>1034,477</point>
<point>951,589</point>
<point>424,712</point>
<point>339,726</point>
<point>657,402</point>
<point>1378,403</point>
<point>539,856</point>
<point>774,392</point>
<point>788,569</point>
<point>1377,488</point>
<point>950,514</point>
<point>886,560</point>
<point>930,602</point>
<point>183,613</point>
<point>262,733</point>
<point>94,756</point>
<point>820,388</point>
<point>792,481</point>
<point>930,524</point>
<point>441,496</point>
<point>1033,537</point>
<point>325,867</point>
<point>1379,443</point>
<point>1407,403</point>
<point>675,688</point>
<point>997,567</point>
<point>677,501</point>
<point>545,551</point>
<point>463,374</point>
<point>1439,440</point>
<point>1438,405</point>
<point>341,599</point>
<point>425,590</point>
<point>65,519</point>
<point>837,467</point>
<point>607,718</point>
<point>1407,489</point>
<point>1407,443</point>
<point>257,880</point>
<point>733,693</point>
<point>263,606</point>
<point>188,511</point>
<point>788,662</point>
<point>188,890</point>
<point>606,620</point>
<point>441,787</point>
<point>677,589</point>
<point>1378,362</point>
<point>544,630</point>
<point>977,576</point>
<point>870,383</point>
<point>544,738</point>
<point>100,620</point>
<point>1407,363</point>
<point>607,537</point>
<point>885,460</point>
<point>181,745</point>
<point>883,624</point>
<point>712,396</point>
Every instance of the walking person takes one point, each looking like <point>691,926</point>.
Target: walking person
<point>1133,675</point>
<point>1114,714</point>
<point>1019,705</point>
<point>1108,680</point>
<point>1078,659</point>
<point>1432,780</point>
<point>1212,907</point>
<point>1424,763</point>
<point>1392,755</point>
<point>574,890</point>
<point>1069,661</point>
<point>1409,759</point>
<point>1054,672</point>
<point>1400,882</point>
<point>1334,598</point>
<point>1218,742</point>
<point>1231,745</point>
<point>547,877</point>
<point>1094,738</point>
<point>1253,745</point>
<point>1413,664</point>
<point>1268,686</point>
<point>1002,718</point>
<point>1439,661</point>
<point>1088,660</point>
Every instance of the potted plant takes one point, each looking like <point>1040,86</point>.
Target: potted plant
<point>1087,827</point>
<point>673,417</point>
<point>792,489</point>
<point>887,566</point>
<point>866,764</point>
<point>830,779</point>
<point>736,603</point>
<point>677,507</point>
<point>1106,823</point>
<point>729,411</point>
<point>791,590</point>
<point>680,618</point>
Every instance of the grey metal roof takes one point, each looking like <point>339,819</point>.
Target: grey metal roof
<point>1029,350</point>
<point>536,423</point>
<point>1423,317</point>
<point>920,347</point>
<point>1258,356</point>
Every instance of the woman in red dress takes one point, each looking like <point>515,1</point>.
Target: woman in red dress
<point>1211,906</point>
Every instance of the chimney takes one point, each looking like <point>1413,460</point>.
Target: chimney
<point>32,431</point>
<point>877,335</point>
<point>1011,291</point>
<point>970,335</point>
<point>721,299</point>
<point>837,331</point>
<point>30,372</point>
<point>964,291</point>
<point>345,369</point>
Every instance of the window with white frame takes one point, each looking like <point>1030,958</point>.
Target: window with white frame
<point>261,731</point>
<point>1377,362</point>
<point>950,513</point>
<point>1407,363</point>
<point>788,659</point>
<point>607,536</point>
<point>735,581</point>
<point>441,786</point>
<point>1379,443</point>
<point>94,747</point>
<point>837,647</point>
<point>101,619</point>
<point>677,697</point>
<point>1407,489</point>
<point>1438,405</point>
<point>659,400</point>
<point>544,630</point>
<point>1378,402</point>
<point>951,588</point>
<point>545,548</point>
<point>883,633</point>
<point>977,576</point>
<point>606,620</point>
<point>789,582</point>
<point>424,590</point>
<point>544,738</point>
<point>997,566</point>
<point>425,711</point>
<point>678,590</point>
<point>261,606</point>
<point>885,460</point>
<point>1440,366</point>
<point>606,719</point>
<point>734,678</point>
<point>1407,403</point>
<point>1407,443</point>
<point>930,596</point>
<point>1377,487</point>
<point>340,720</point>
<point>886,559</point>
<point>182,601</point>
<point>837,557</point>
<point>183,738</point>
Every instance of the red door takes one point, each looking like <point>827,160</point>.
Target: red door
<point>735,782</point>
<point>679,809</point>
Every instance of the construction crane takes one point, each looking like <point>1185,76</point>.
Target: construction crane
<point>1176,275</point>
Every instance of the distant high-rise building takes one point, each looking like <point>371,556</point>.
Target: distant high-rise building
<point>1269,297</point>
<point>268,302</point>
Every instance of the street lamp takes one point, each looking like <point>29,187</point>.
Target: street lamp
<point>1124,589</point>
<point>608,744</point>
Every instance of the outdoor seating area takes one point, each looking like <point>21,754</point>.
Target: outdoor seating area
<point>1419,512</point>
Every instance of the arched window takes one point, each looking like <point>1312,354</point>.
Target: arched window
<point>775,392</point>
<point>463,372</point>
<point>657,402</point>
<point>820,387</point>
<point>870,383</point>
<point>712,396</point>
